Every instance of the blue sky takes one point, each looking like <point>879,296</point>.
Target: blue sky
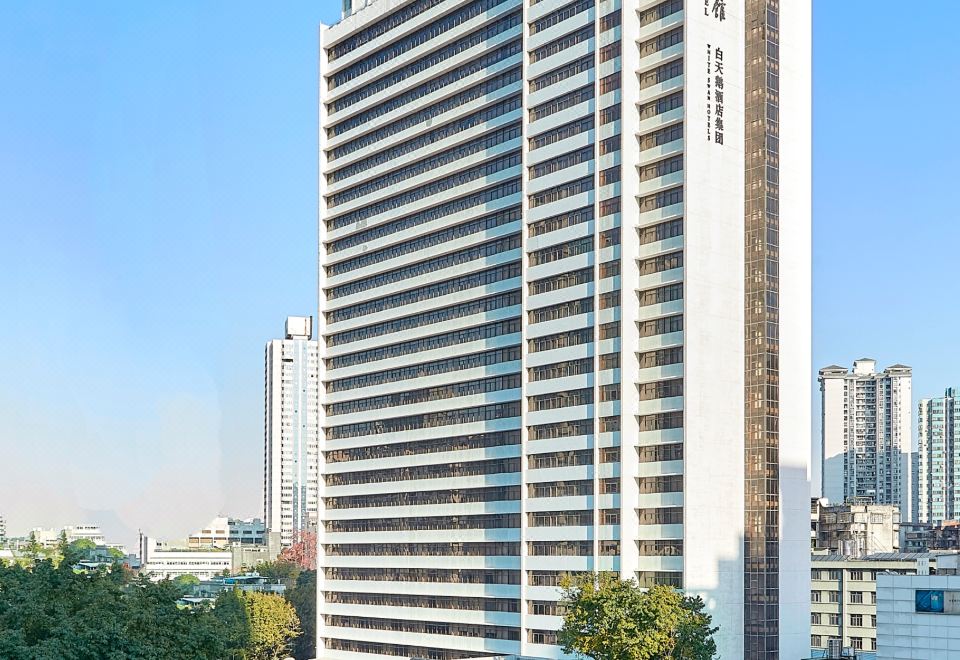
<point>157,206</point>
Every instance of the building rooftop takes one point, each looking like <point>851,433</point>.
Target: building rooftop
<point>879,556</point>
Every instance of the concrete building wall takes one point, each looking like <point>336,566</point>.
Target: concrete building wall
<point>533,331</point>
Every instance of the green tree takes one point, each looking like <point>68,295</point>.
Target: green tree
<point>115,553</point>
<point>279,570</point>
<point>303,597</point>
<point>271,622</point>
<point>52,612</point>
<point>185,583</point>
<point>607,618</point>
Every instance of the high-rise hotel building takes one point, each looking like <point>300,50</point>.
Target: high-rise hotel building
<point>291,429</point>
<point>565,318</point>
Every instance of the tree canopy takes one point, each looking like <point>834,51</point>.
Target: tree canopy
<point>49,611</point>
<point>607,618</point>
<point>303,597</point>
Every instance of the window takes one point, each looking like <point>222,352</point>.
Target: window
<point>856,575</point>
<point>658,453</point>
<point>561,311</point>
<point>610,175</point>
<point>610,83</point>
<point>610,51</point>
<point>661,168</point>
<point>660,389</point>
<point>660,326</point>
<point>427,190</point>
<point>395,103</point>
<point>661,357</point>
<point>661,105</point>
<point>815,641</point>
<point>833,619</point>
<point>668,484</point>
<point>564,42</point>
<point>856,596</point>
<point>609,361</point>
<point>562,73</point>
<point>661,232</point>
<point>660,548</point>
<point>560,15</point>
<point>561,281</point>
<point>562,133</point>
<point>660,263</point>
<point>815,618</point>
<point>565,399</point>
<point>661,42</point>
<point>416,245</point>
<point>561,369</point>
<point>464,203</point>
<point>661,199</point>
<point>659,295</point>
<point>814,596</point>
<point>556,222</point>
<point>415,67</point>
<point>661,74</point>
<point>561,192</point>
<point>561,429</point>
<point>560,340</point>
<point>661,136</point>
<point>482,251</point>
<point>561,103</point>
<point>833,596</point>
<point>661,421</point>
<point>856,643</point>
<point>856,620</point>
<point>661,516</point>
<point>660,12</point>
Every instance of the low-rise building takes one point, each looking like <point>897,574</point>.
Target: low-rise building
<point>223,531</point>
<point>856,528</point>
<point>932,538</point>
<point>918,616</point>
<point>50,537</point>
<point>167,561</point>
<point>843,594</point>
<point>3,529</point>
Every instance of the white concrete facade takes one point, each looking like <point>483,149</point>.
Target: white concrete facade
<point>160,562</point>
<point>532,322</point>
<point>291,431</point>
<point>918,616</point>
<point>866,434</point>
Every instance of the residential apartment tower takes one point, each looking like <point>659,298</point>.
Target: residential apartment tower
<point>291,428</point>
<point>866,434</point>
<point>938,476</point>
<point>565,318</point>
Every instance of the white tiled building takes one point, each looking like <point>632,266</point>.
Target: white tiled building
<point>540,327</point>
<point>291,431</point>
<point>918,616</point>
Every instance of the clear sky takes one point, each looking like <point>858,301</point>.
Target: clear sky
<point>157,206</point>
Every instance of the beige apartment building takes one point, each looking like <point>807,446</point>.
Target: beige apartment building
<point>843,595</point>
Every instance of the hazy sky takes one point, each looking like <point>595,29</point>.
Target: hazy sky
<point>157,204</point>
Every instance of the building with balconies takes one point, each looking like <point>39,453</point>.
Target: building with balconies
<point>564,318</point>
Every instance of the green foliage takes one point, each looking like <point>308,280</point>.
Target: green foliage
<point>607,618</point>
<point>184,583</point>
<point>270,621</point>
<point>303,597</point>
<point>52,612</point>
<point>115,553</point>
<point>278,570</point>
